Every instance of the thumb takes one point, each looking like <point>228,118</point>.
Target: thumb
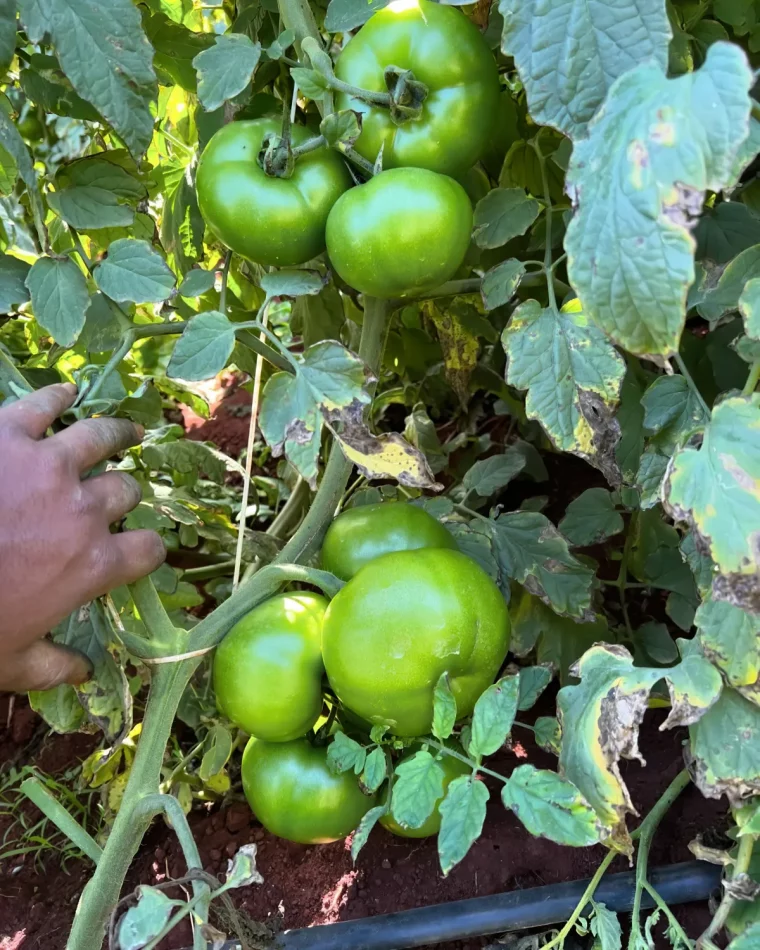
<point>43,665</point>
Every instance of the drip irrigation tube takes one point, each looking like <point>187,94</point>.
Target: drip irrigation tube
<point>514,910</point>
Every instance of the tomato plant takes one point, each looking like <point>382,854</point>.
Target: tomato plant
<point>488,278</point>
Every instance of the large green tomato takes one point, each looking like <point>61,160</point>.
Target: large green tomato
<point>294,794</point>
<point>359,535</point>
<point>445,51</point>
<point>405,231</point>
<point>276,222</point>
<point>268,669</point>
<point>452,768</point>
<point>400,623</point>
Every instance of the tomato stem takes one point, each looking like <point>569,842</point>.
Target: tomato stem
<point>366,95</point>
<point>741,867</point>
<point>692,385</point>
<point>310,145</point>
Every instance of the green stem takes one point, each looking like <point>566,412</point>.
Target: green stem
<point>692,385</point>
<point>12,372</point>
<point>225,277</point>
<point>269,353</point>
<point>647,830</point>
<point>197,574</point>
<point>169,681</point>
<point>741,866</point>
<point>291,510</point>
<point>310,145</point>
<point>548,203</point>
<point>272,336</point>
<point>752,379</point>
<point>356,159</point>
<point>583,902</point>
<point>366,95</point>
<point>297,16</point>
<point>454,288</point>
<point>622,578</point>
<point>153,614</point>
<point>463,758</point>
<point>61,818</point>
<point>672,920</point>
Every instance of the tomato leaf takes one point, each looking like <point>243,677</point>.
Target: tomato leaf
<point>714,489</point>
<point>242,870</point>
<point>134,271</point>
<point>463,812</point>
<point>141,923</point>
<point>59,298</point>
<point>569,53</point>
<point>533,681</point>
<point>503,214</point>
<point>501,282</point>
<point>749,305</point>
<point>197,282</point>
<point>551,807</point>
<point>730,638</point>
<point>647,192</point>
<point>106,56</point>
<point>95,193</point>
<point>591,518</point>
<point>292,283</point>
<point>488,476</point>
<point>418,786</point>
<point>605,926</point>
<point>343,15</point>
<point>601,715</point>
<point>344,754</point>
<point>204,347</point>
<point>13,289</point>
<point>548,734</point>
<point>444,708</point>
<point>573,377</point>
<point>224,70</point>
<point>493,716</point>
<point>375,770</point>
<point>218,749</point>
<point>362,833</point>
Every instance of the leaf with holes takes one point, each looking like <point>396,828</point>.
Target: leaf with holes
<point>573,377</point>
<point>638,182</point>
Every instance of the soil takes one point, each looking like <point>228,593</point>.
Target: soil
<point>305,886</point>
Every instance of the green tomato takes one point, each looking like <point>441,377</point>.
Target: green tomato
<point>276,222</point>
<point>447,53</point>
<point>359,535</point>
<point>400,623</point>
<point>476,183</point>
<point>452,768</point>
<point>294,794</point>
<point>268,669</point>
<point>30,128</point>
<point>405,231</point>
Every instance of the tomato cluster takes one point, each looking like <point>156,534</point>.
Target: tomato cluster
<point>413,607</point>
<point>407,229</point>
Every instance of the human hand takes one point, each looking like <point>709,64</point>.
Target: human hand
<point>56,550</point>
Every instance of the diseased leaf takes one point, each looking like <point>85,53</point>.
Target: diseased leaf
<point>600,719</point>
<point>59,707</point>
<point>463,812</point>
<point>591,518</point>
<point>204,348</point>
<point>182,226</point>
<point>714,489</point>
<point>105,54</point>
<point>715,299</point>
<point>548,734</point>
<point>224,70</point>
<point>493,716</point>
<point>501,282</point>
<point>134,271</point>
<point>460,345</point>
<point>13,290</point>
<point>569,52</point>
<point>141,923</point>
<point>749,305</point>
<point>724,752</point>
<point>671,412</point>
<point>573,377</point>
<point>362,833</point>
<point>503,214</point>
<point>242,870</point>
<point>730,638</point>
<point>344,754</point>
<point>59,298</point>
<point>418,786</point>
<point>551,807</point>
<point>529,549</point>
<point>638,181</point>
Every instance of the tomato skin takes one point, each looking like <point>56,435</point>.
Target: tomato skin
<point>359,535</point>
<point>447,53</point>
<point>30,128</point>
<point>402,621</point>
<point>268,669</point>
<point>276,222</point>
<point>452,768</point>
<point>294,794</point>
<point>405,231</point>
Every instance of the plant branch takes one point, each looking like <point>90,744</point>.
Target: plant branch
<point>382,99</point>
<point>549,213</point>
<point>752,379</point>
<point>310,145</point>
<point>454,288</point>
<point>262,349</point>
<point>466,759</point>
<point>153,614</point>
<point>355,158</point>
<point>692,385</point>
<point>583,902</point>
<point>672,919</point>
<point>646,830</point>
<point>741,866</point>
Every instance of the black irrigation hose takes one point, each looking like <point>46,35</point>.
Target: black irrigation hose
<point>514,910</point>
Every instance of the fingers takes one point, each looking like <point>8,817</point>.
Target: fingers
<point>136,554</point>
<point>44,665</point>
<point>35,413</point>
<point>91,441</point>
<point>114,493</point>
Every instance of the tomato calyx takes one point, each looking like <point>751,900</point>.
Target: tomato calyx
<point>407,94</point>
<point>276,157</point>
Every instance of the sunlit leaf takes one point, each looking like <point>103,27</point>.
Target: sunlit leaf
<point>59,298</point>
<point>463,812</point>
<point>418,786</point>
<point>551,807</point>
<point>204,347</point>
<point>225,69</point>
<point>493,716</point>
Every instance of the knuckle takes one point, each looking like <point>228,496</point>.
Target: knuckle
<point>131,490</point>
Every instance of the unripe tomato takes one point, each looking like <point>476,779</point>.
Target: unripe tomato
<point>294,794</point>
<point>277,222</point>
<point>359,535</point>
<point>268,669</point>
<point>445,51</point>
<point>403,620</point>
<point>452,768</point>
<point>405,231</point>
<point>30,127</point>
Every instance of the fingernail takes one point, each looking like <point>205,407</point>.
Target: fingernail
<point>70,388</point>
<point>140,430</point>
